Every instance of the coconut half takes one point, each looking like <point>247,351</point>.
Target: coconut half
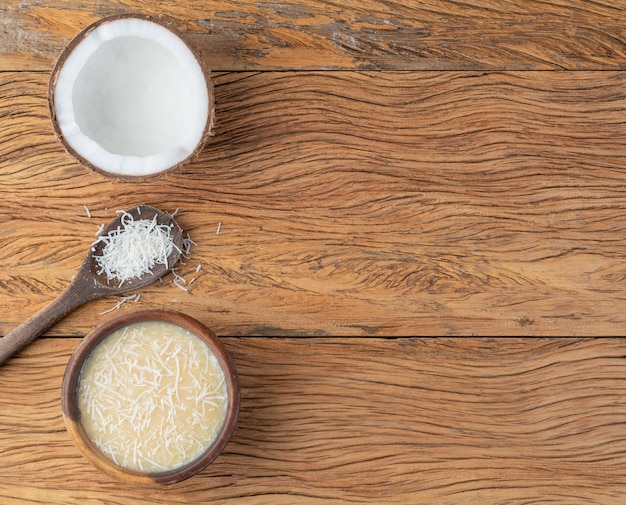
<point>129,98</point>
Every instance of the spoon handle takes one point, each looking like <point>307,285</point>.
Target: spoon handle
<point>73,297</point>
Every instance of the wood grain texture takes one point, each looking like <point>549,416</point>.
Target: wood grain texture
<point>364,34</point>
<point>353,203</point>
<point>379,169</point>
<point>379,421</point>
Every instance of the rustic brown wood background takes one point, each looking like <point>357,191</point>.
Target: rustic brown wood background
<point>380,170</point>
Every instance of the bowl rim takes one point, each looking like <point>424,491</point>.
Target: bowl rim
<point>71,412</point>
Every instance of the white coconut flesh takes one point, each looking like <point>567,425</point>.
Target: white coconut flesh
<point>131,98</point>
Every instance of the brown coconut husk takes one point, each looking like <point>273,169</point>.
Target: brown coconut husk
<point>168,23</point>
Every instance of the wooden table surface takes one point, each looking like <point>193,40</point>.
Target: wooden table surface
<point>399,198</point>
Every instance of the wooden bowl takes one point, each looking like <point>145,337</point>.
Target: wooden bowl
<point>72,414</point>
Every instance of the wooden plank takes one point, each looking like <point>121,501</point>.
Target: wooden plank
<point>379,421</point>
<point>353,203</point>
<point>368,34</point>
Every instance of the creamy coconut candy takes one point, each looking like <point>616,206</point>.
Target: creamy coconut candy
<point>150,396</point>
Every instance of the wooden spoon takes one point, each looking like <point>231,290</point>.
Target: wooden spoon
<point>89,284</point>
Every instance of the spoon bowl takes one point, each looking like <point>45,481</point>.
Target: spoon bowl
<point>90,283</point>
<point>159,270</point>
